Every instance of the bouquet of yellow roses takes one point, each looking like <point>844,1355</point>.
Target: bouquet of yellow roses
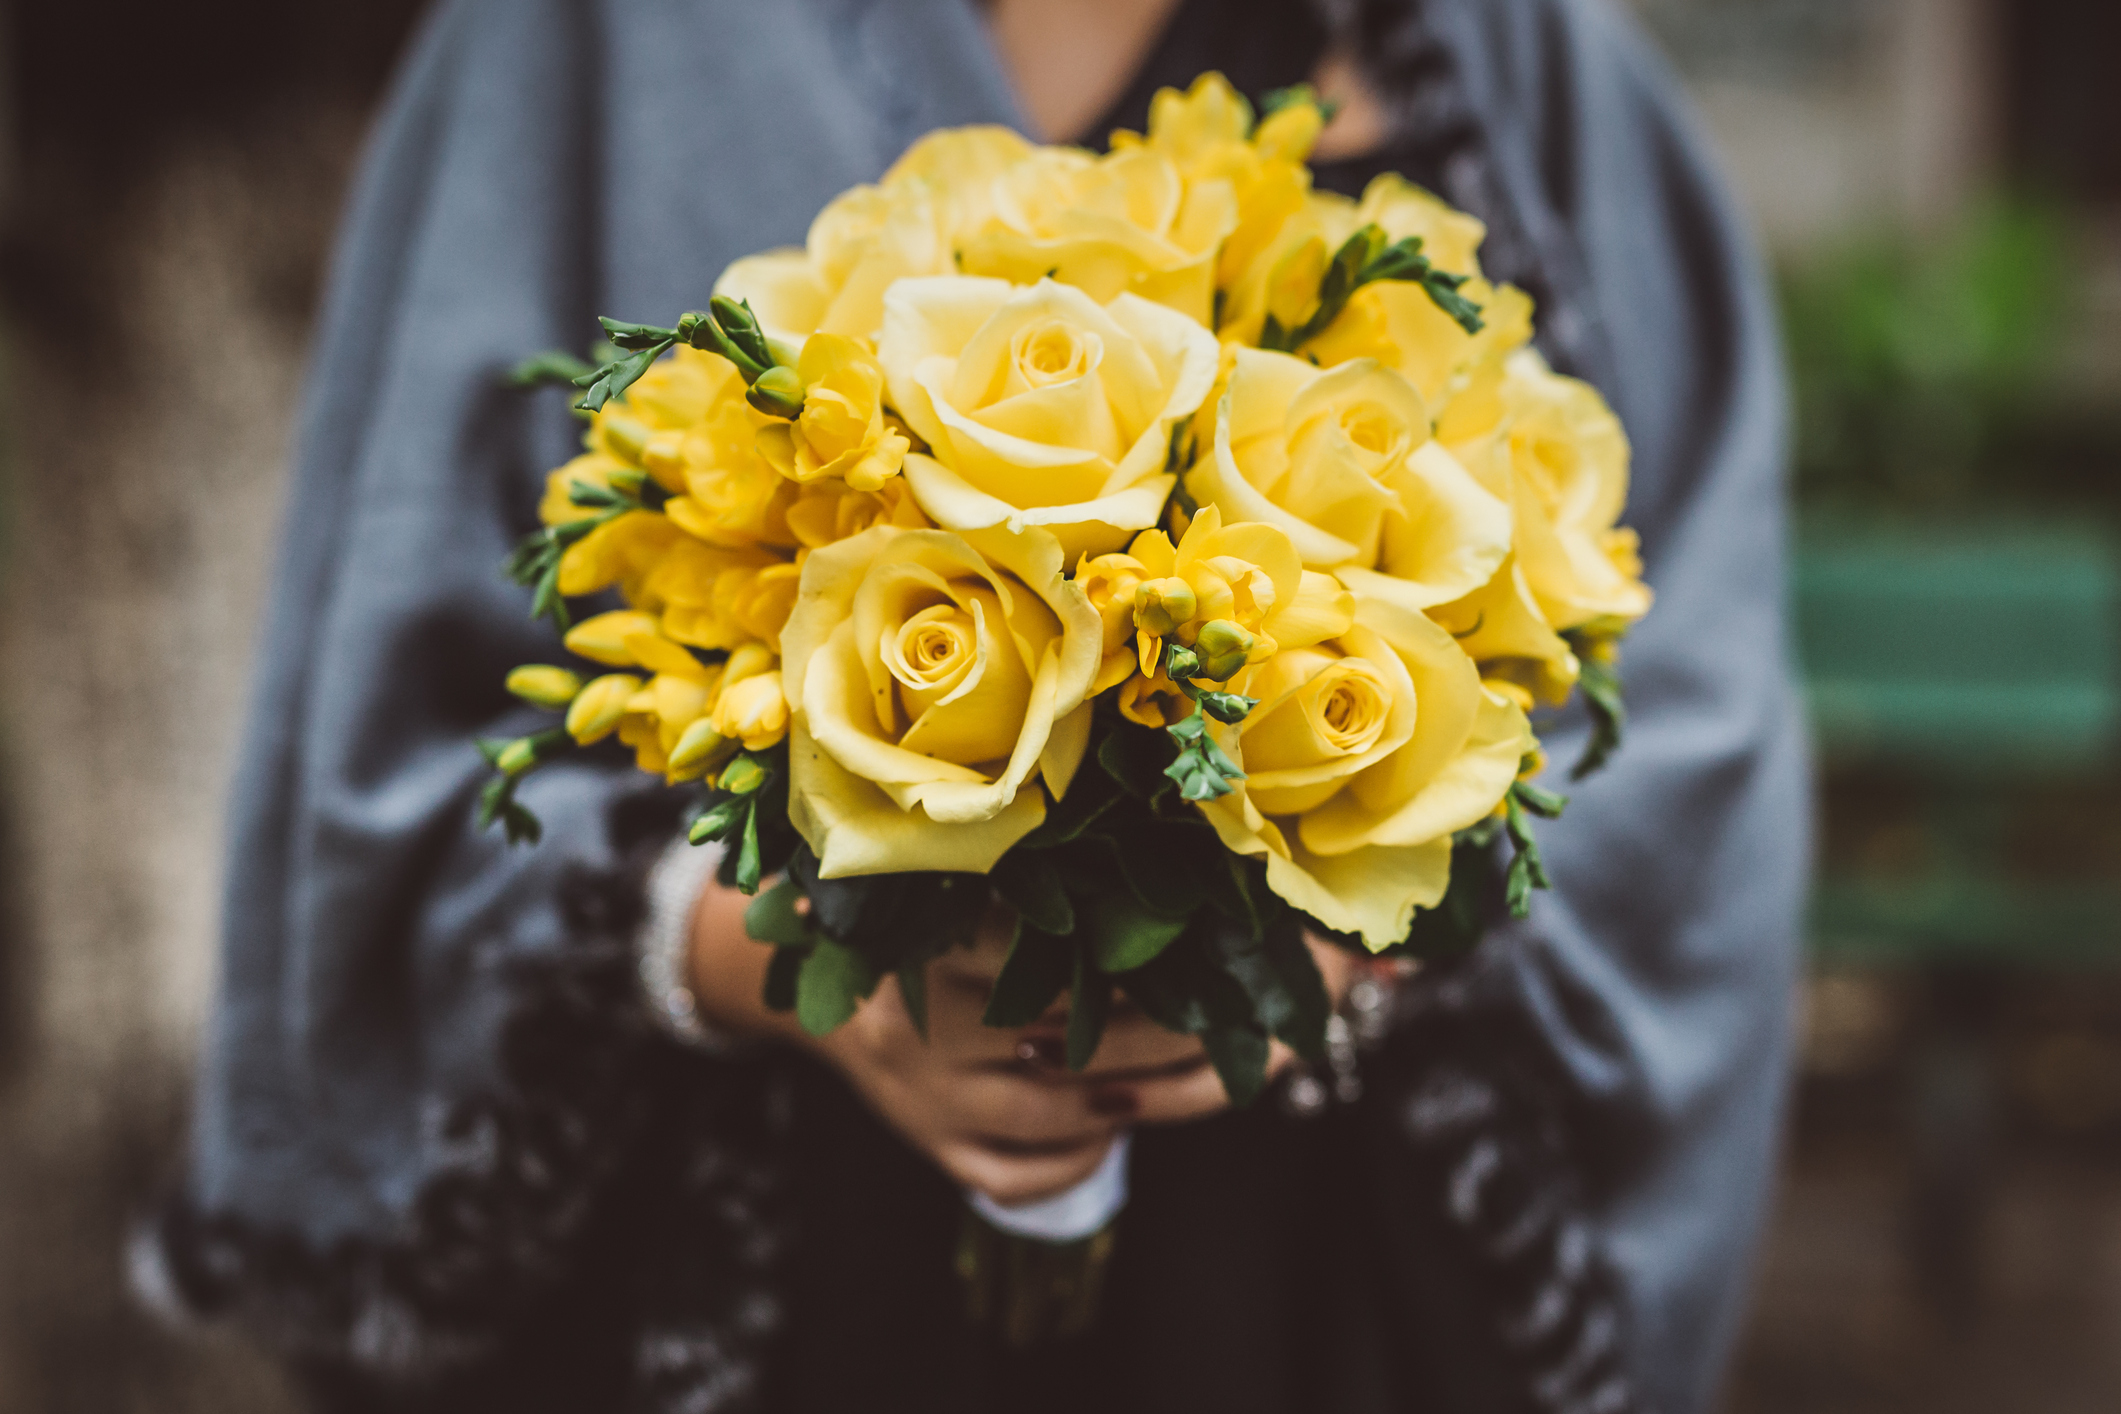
<point>1146,539</point>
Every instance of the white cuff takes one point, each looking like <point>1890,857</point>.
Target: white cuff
<point>1083,1211</point>
<point>674,888</point>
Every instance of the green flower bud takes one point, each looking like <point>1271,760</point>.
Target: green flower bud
<point>778,393</point>
<point>550,688</point>
<point>1161,605</point>
<point>743,329</point>
<point>696,749</point>
<point>718,822</point>
<point>518,756</point>
<point>743,776</point>
<point>1223,648</point>
<point>1181,664</point>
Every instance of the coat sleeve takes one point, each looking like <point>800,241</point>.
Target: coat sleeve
<point>426,1051</point>
<point>1657,977</point>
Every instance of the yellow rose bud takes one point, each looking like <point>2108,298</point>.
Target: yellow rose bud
<point>778,393</point>
<point>748,661</point>
<point>597,710</point>
<point>545,687</point>
<point>1161,605</point>
<point>698,750</point>
<point>753,711</point>
<point>1223,648</point>
<point>603,638</point>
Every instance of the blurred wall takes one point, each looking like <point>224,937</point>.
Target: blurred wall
<point>172,177</point>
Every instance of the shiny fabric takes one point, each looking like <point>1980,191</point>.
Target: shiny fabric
<point>545,161</point>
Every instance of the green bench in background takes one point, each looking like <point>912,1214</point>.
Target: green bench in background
<point>1971,665</point>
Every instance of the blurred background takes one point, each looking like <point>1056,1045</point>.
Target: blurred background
<point>1939,183</point>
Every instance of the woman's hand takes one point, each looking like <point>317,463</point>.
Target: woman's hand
<point>996,1109</point>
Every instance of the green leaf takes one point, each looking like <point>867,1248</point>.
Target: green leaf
<point>1600,683</point>
<point>494,798</point>
<point>1121,933</point>
<point>520,825</point>
<point>554,366</point>
<point>613,379</point>
<point>783,975</point>
<point>1039,966</point>
<point>1031,885</point>
<point>913,990</point>
<point>1239,1055</point>
<point>1202,769</point>
<point>1309,1005</point>
<point>1518,893</point>
<point>776,917</point>
<point>634,337</point>
<point>1541,802</point>
<point>1090,795</point>
<point>831,985</point>
<point>1089,1008</point>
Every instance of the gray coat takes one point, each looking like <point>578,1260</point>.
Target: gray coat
<point>435,1142</point>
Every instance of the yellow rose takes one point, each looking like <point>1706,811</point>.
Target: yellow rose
<point>1566,456</point>
<point>1041,407</point>
<point>1124,223</point>
<point>1341,460</point>
<point>1363,758</point>
<point>933,676</point>
<point>842,432</point>
<point>906,225</point>
<point>1501,626</point>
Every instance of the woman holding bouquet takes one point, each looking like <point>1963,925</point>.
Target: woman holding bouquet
<point>451,1154</point>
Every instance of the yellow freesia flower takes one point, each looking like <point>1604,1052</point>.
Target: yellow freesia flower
<point>842,432</point>
<point>752,710</point>
<point>713,596</point>
<point>1207,132</point>
<point>1246,576</point>
<point>1040,406</point>
<point>934,676</point>
<point>830,511</point>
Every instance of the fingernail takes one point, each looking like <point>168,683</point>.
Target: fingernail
<point>1041,1050</point>
<point>1115,1102</point>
